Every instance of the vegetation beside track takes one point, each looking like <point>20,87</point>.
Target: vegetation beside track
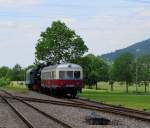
<point>133,100</point>
<point>16,87</point>
<point>119,96</point>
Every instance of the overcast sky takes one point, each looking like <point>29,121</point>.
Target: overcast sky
<point>105,25</point>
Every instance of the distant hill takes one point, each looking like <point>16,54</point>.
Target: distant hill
<point>137,49</point>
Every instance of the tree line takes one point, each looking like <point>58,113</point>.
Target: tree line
<point>125,68</point>
<point>7,74</point>
<point>59,44</point>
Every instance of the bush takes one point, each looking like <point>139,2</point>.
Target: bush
<point>4,81</point>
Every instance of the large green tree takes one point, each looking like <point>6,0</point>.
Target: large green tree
<point>59,44</point>
<point>143,69</point>
<point>124,68</point>
<point>111,76</point>
<point>18,73</point>
<point>5,72</point>
<point>95,69</point>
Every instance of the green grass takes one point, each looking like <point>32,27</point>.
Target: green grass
<point>119,96</point>
<point>120,87</point>
<point>16,87</point>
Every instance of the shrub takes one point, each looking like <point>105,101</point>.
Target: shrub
<point>4,81</point>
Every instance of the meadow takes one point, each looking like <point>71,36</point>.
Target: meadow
<point>19,87</point>
<point>137,100</point>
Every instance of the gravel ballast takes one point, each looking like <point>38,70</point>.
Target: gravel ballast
<point>75,117</point>
<point>8,119</point>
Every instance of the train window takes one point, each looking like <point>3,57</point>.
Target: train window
<point>62,75</point>
<point>69,74</point>
<point>43,76</point>
<point>77,74</point>
<point>46,75</point>
<point>53,74</point>
<point>50,75</point>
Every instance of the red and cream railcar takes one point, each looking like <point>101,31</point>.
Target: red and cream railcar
<point>62,78</point>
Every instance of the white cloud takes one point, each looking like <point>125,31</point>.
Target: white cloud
<point>143,12</point>
<point>19,3</point>
<point>7,24</point>
<point>68,20</point>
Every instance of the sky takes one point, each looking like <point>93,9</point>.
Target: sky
<point>104,25</point>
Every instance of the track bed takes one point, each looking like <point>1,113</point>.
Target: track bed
<point>70,112</point>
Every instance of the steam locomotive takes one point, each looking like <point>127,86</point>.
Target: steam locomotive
<point>61,79</point>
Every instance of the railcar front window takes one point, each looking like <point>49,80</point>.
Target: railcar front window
<point>77,74</point>
<point>69,74</point>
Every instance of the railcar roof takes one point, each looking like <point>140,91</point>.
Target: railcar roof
<point>59,66</point>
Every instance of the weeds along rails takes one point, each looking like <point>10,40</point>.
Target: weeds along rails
<point>91,105</point>
<point>28,123</point>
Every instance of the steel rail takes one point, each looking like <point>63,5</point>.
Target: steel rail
<point>135,114</point>
<point>81,100</point>
<point>80,103</point>
<point>41,112</point>
<point>29,125</point>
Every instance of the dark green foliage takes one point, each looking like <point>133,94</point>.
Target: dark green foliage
<point>4,81</point>
<point>14,74</point>
<point>94,69</point>
<point>123,69</point>
<point>59,44</point>
<point>18,74</point>
<point>143,68</point>
<point>5,72</point>
<point>136,50</point>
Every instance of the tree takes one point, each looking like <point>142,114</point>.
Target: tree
<point>93,78</point>
<point>94,69</point>
<point>143,66</point>
<point>18,73</point>
<point>5,72</point>
<point>124,68</point>
<point>59,44</point>
<point>111,76</point>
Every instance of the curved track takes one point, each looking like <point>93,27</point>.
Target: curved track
<point>31,106</point>
<point>91,105</point>
<point>29,125</point>
<point>137,114</point>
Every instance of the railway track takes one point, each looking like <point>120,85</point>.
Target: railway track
<point>91,105</point>
<point>5,98</point>
<point>94,103</point>
<point>28,124</point>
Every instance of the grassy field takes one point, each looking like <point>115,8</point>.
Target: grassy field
<point>132,99</point>
<point>119,96</point>
<point>16,87</point>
